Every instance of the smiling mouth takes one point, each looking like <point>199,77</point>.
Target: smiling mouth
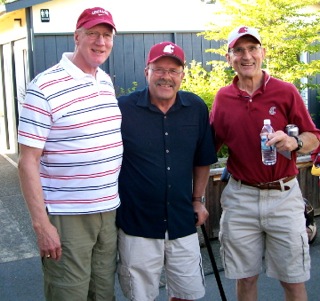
<point>97,51</point>
<point>165,86</point>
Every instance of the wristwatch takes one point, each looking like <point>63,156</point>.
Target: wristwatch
<point>299,142</point>
<point>201,199</point>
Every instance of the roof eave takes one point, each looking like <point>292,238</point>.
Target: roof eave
<point>16,5</point>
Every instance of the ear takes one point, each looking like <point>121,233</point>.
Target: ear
<point>146,71</point>
<point>76,38</point>
<point>228,59</point>
<point>263,52</point>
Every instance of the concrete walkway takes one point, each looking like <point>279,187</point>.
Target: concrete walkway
<point>20,265</point>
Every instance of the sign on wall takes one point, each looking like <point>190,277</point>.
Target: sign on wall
<point>45,16</point>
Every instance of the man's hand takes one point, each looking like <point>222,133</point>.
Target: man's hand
<point>48,241</point>
<point>201,211</point>
<point>282,141</point>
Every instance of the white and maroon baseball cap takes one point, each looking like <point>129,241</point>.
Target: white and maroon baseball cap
<point>166,49</point>
<point>240,32</point>
<point>93,16</point>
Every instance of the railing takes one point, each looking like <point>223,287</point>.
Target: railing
<point>309,185</point>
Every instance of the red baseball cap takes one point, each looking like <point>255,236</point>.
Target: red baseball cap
<point>92,16</point>
<point>166,49</point>
<point>241,31</point>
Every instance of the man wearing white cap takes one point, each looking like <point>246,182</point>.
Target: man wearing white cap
<point>70,158</point>
<point>168,150</point>
<point>263,209</point>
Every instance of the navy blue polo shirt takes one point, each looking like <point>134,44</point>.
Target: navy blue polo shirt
<point>160,151</point>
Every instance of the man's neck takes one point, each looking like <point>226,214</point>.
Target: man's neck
<point>250,85</point>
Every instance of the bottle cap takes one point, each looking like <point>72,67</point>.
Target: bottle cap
<point>266,121</point>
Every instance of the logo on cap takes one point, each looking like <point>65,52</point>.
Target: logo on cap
<point>168,49</point>
<point>99,11</point>
<point>243,30</point>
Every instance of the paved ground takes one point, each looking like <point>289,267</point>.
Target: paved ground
<point>20,267</point>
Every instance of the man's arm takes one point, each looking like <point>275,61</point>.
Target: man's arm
<point>310,142</point>
<point>200,181</point>
<point>283,142</point>
<point>47,235</point>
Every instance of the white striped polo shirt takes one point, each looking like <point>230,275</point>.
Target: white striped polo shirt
<point>75,119</point>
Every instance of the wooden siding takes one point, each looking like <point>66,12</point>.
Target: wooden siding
<point>48,50</point>
<point>127,61</point>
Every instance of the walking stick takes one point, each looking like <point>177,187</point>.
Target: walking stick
<point>213,262</point>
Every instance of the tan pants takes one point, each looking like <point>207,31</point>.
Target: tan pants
<point>87,268</point>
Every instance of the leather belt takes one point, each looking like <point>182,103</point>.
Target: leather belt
<point>269,185</point>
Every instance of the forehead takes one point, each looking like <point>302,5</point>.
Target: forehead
<point>246,40</point>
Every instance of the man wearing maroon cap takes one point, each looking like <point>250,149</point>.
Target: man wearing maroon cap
<point>168,149</point>
<point>263,209</point>
<point>70,158</point>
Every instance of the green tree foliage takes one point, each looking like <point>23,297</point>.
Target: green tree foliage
<point>288,28</point>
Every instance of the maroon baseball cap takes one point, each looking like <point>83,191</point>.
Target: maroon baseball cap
<point>166,49</point>
<point>93,16</point>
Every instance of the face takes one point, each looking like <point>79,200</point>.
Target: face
<point>93,47</point>
<point>247,63</point>
<point>164,85</point>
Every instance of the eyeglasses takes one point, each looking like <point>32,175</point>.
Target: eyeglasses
<point>161,72</point>
<point>239,51</point>
<point>94,35</point>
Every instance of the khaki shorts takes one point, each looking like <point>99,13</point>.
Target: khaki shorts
<point>264,223</point>
<point>141,261</point>
<point>87,268</point>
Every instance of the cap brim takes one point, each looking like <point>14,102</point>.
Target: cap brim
<point>237,38</point>
<point>92,23</point>
<point>233,42</point>
<point>166,55</point>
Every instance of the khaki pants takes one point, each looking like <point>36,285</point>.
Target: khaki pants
<point>87,268</point>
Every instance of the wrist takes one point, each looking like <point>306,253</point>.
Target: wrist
<point>200,199</point>
<point>299,143</point>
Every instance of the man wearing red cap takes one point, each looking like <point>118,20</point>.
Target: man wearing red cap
<point>263,209</point>
<point>168,149</point>
<point>70,158</point>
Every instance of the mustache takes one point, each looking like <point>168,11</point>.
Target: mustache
<point>165,82</point>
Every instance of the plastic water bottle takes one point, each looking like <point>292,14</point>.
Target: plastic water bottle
<point>268,153</point>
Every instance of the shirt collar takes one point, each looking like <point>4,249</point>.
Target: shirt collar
<point>144,100</point>
<point>72,69</point>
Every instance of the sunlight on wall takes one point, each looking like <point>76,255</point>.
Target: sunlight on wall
<point>132,16</point>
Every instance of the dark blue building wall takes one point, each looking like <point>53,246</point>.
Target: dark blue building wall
<point>127,60</point>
